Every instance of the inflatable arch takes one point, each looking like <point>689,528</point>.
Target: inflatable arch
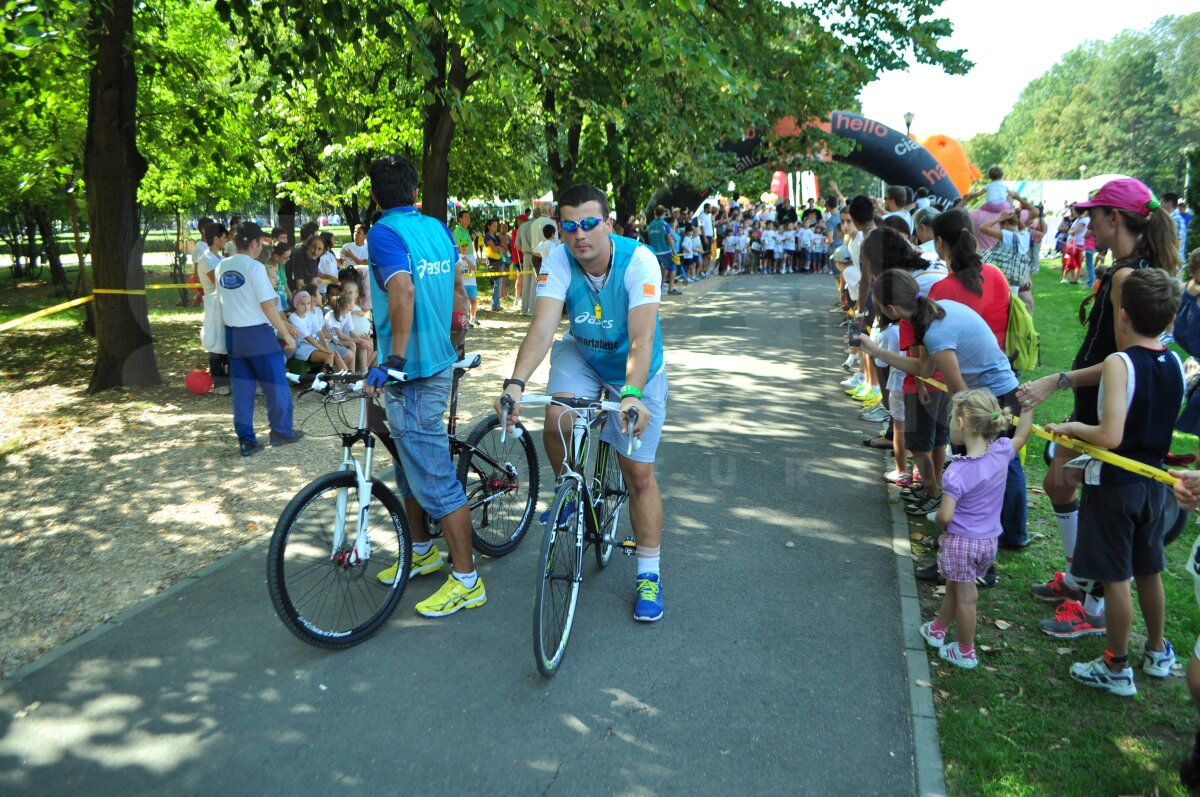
<point>886,153</point>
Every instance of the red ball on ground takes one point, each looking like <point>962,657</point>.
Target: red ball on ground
<point>199,382</point>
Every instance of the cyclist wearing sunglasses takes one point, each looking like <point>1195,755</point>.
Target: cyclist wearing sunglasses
<point>610,288</point>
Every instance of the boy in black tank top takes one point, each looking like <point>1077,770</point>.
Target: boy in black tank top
<point>1124,515</point>
<point>1099,341</point>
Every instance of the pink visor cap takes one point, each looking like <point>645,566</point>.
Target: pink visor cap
<point>1123,194</point>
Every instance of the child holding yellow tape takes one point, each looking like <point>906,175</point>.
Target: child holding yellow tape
<point>1124,515</point>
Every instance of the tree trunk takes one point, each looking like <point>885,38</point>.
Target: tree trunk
<point>58,277</point>
<point>179,273</point>
<point>562,157</point>
<point>350,213</point>
<point>287,218</point>
<point>439,124</point>
<point>32,251</point>
<point>113,168</point>
<point>81,280</point>
<point>12,237</point>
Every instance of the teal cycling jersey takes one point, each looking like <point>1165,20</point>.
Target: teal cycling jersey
<point>405,241</point>
<point>599,320</point>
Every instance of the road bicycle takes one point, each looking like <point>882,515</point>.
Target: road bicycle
<point>586,512</point>
<point>332,540</point>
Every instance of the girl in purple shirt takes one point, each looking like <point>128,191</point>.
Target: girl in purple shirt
<point>972,494</point>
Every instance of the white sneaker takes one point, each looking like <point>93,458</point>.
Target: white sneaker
<point>875,414</point>
<point>853,381</point>
<point>953,654</point>
<point>936,639</point>
<point>1096,674</point>
<point>1158,664</point>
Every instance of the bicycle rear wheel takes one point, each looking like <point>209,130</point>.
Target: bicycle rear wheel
<point>559,577</point>
<point>612,495</point>
<point>501,480</point>
<point>329,598</point>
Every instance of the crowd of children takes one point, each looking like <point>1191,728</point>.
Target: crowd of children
<point>320,289</point>
<point>1128,389</point>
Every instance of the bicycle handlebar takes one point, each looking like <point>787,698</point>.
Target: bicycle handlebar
<point>631,415</point>
<point>321,382</point>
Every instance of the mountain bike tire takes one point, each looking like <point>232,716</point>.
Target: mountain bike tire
<point>326,597</point>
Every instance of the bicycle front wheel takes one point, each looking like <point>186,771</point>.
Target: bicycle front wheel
<point>558,580</point>
<point>612,494</point>
<point>501,480</point>
<point>330,595</point>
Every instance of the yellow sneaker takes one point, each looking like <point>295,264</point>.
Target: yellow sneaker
<point>422,565</point>
<point>451,597</point>
<point>874,401</point>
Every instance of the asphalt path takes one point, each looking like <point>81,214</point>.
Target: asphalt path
<point>776,670</point>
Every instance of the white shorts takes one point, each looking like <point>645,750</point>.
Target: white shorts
<point>570,373</point>
<point>304,350</point>
<point>896,405</point>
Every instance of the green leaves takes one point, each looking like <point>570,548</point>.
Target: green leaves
<point>1129,105</point>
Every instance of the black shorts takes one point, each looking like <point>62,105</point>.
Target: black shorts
<point>1121,529</point>
<point>926,425</point>
<point>1086,408</point>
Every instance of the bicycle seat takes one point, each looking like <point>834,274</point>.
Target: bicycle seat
<point>468,362</point>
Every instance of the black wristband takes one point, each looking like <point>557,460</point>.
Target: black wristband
<point>517,382</point>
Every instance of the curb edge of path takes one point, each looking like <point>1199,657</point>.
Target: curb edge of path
<point>927,752</point>
<point>46,659</point>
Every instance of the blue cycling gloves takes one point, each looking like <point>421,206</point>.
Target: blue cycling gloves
<point>378,376</point>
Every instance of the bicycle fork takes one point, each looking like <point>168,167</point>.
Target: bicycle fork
<point>361,551</point>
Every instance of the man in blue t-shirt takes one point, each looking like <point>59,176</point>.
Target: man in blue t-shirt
<point>416,286</point>
<point>661,239</point>
<point>609,286</point>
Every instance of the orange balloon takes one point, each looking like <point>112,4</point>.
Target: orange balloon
<point>948,152</point>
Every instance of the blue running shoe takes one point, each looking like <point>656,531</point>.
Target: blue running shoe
<point>567,513</point>
<point>648,607</point>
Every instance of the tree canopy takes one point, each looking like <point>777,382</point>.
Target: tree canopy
<point>122,111</point>
<point>1129,105</point>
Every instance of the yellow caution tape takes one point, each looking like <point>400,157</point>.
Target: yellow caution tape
<point>58,308</point>
<point>1093,451</point>
<point>119,291</point>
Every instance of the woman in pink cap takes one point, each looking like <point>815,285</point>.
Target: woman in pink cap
<point>1126,218</point>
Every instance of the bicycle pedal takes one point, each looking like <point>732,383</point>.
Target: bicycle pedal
<point>629,547</point>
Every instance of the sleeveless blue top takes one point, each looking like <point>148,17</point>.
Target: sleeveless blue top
<point>405,240</point>
<point>604,341</point>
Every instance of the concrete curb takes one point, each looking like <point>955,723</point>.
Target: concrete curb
<point>927,751</point>
<point>172,591</point>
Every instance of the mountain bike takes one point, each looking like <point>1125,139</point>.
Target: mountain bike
<point>336,535</point>
<point>586,512</point>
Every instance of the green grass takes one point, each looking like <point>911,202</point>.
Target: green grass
<point>1019,725</point>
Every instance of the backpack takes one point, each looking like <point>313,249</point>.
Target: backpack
<point>1021,340</point>
<point>1187,325</point>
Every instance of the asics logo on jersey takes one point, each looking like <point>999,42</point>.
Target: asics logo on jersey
<point>433,268</point>
<point>588,318</point>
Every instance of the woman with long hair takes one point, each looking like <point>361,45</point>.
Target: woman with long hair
<point>1125,217</point>
<point>958,343</point>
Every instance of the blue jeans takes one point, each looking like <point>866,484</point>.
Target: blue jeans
<point>1089,260</point>
<point>256,359</point>
<point>415,412</point>
<point>1013,509</point>
<point>497,283</point>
